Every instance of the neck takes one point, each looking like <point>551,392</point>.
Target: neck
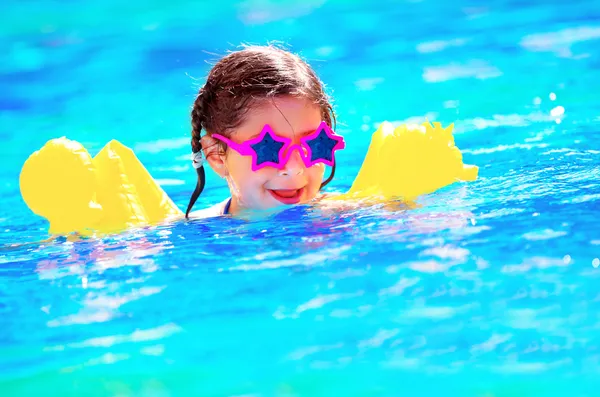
<point>234,206</point>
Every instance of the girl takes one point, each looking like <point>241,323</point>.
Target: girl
<point>267,126</point>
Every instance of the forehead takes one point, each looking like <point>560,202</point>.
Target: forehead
<point>287,116</point>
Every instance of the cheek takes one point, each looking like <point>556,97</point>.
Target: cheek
<point>315,174</point>
<point>240,170</point>
<point>238,166</point>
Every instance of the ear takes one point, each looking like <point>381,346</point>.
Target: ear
<point>214,155</point>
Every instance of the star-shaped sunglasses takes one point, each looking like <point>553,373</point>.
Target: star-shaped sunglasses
<point>271,150</point>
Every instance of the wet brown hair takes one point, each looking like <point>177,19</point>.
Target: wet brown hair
<point>245,79</point>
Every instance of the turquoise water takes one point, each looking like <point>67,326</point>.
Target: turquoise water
<point>489,289</point>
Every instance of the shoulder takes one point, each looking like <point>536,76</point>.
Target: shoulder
<point>336,202</point>
<point>210,212</point>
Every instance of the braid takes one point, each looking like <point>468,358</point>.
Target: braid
<point>197,121</point>
<point>198,117</point>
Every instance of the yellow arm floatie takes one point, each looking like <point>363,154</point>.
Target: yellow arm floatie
<point>113,191</point>
<point>409,161</point>
<point>75,193</point>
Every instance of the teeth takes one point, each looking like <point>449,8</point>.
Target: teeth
<point>286,193</point>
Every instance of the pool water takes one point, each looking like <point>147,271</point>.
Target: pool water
<point>487,289</point>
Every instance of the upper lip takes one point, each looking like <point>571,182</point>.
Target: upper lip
<point>286,188</point>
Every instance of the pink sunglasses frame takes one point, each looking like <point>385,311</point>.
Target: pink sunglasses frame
<point>286,150</point>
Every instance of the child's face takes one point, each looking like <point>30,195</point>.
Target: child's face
<point>270,187</point>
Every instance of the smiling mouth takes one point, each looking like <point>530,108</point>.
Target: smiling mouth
<point>287,196</point>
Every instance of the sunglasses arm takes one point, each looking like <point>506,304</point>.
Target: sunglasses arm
<point>241,149</point>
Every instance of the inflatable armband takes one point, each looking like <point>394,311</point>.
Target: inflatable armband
<point>75,193</point>
<point>409,161</point>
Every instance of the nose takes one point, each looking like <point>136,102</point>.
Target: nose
<point>294,165</point>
